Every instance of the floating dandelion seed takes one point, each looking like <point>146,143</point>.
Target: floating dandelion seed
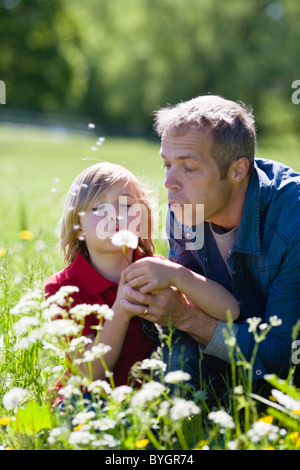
<point>91,125</point>
<point>94,149</point>
<point>100,141</point>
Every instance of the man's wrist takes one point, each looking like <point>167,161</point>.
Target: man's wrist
<point>199,325</point>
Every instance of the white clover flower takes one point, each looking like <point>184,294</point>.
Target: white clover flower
<point>22,326</point>
<point>81,437</point>
<point>183,409</point>
<point>262,429</point>
<point>253,323</point>
<point>103,424</point>
<point>285,400</point>
<point>148,392</point>
<point>60,328</point>
<point>125,238</point>
<point>275,321</point>
<point>98,386</point>
<point>76,342</point>
<point>231,341</point>
<point>107,440</point>
<point>83,417</point>
<point>153,364</point>
<point>119,393</point>
<point>164,408</point>
<point>12,398</point>
<point>222,418</point>
<point>60,297</point>
<point>105,311</point>
<point>55,435</point>
<point>81,311</point>
<point>177,376</point>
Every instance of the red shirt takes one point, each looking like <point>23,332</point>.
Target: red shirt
<point>96,289</point>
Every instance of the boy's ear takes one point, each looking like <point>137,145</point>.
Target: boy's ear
<point>239,169</point>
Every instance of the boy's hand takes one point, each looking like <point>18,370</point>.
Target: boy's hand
<point>150,274</point>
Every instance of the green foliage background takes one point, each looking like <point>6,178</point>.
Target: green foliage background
<point>118,60</point>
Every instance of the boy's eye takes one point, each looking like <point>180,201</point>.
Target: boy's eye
<point>99,209</point>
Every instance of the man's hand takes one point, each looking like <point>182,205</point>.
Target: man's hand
<point>171,304</point>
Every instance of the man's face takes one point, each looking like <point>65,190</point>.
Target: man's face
<point>193,178</point>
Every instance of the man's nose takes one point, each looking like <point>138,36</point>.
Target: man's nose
<point>172,180</point>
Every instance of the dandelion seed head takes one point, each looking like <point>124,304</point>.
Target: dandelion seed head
<point>125,238</point>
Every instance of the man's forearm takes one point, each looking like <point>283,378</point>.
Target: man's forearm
<point>198,325</point>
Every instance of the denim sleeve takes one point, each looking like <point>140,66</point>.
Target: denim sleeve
<point>283,301</point>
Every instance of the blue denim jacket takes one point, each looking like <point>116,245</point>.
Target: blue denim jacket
<point>265,264</point>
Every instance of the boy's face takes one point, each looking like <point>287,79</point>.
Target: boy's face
<point>116,209</point>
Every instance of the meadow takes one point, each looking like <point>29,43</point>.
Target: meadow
<point>37,167</point>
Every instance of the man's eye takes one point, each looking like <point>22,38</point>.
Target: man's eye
<point>189,170</point>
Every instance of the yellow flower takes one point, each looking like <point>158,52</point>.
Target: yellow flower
<point>267,419</point>
<point>4,421</point>
<point>142,443</point>
<point>2,252</point>
<point>26,235</point>
<point>296,412</point>
<point>269,448</point>
<point>78,427</point>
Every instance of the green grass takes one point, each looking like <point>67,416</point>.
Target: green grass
<point>37,167</point>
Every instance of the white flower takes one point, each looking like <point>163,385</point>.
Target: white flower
<point>107,440</point>
<point>177,376</point>
<point>261,429</point>
<point>125,238</point>
<point>153,364</point>
<point>285,400</point>
<point>81,437</point>
<point>183,409</point>
<point>119,393</point>
<point>222,418</point>
<point>148,392</point>
<point>98,386</point>
<point>22,326</point>
<point>103,424</point>
<point>83,417</point>
<point>275,321</point>
<point>61,327</point>
<point>76,342</point>
<point>253,323</point>
<point>12,398</point>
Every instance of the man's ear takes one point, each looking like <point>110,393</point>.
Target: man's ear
<point>239,169</point>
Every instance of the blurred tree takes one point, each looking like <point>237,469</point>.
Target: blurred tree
<point>119,60</point>
<point>41,61</point>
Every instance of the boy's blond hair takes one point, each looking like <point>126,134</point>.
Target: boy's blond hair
<point>87,187</point>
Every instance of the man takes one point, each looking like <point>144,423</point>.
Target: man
<point>251,241</point>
